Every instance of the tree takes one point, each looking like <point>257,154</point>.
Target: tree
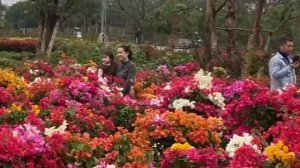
<point>279,15</point>
<point>140,11</point>
<point>183,17</point>
<point>2,10</point>
<point>210,30</point>
<point>254,42</point>
<point>51,13</point>
<point>230,24</point>
<point>19,16</point>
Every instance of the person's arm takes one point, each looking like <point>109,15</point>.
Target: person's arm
<point>130,79</point>
<point>276,71</point>
<point>100,73</point>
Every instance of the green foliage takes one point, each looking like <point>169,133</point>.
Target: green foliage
<point>81,50</point>
<point>16,55</point>
<point>19,16</point>
<point>123,147</point>
<point>70,7</point>
<point>183,16</point>
<point>76,146</point>
<point>258,63</point>
<point>125,117</point>
<point>44,113</point>
<point>170,60</point>
<point>85,51</point>
<point>14,59</point>
<point>15,117</point>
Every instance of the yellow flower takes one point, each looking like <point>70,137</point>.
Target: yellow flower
<point>285,149</point>
<point>15,107</point>
<point>9,79</point>
<point>279,144</point>
<point>182,147</point>
<point>269,152</point>
<point>288,158</point>
<point>280,152</point>
<point>36,109</point>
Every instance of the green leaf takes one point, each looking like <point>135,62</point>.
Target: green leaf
<point>79,146</point>
<point>116,146</point>
<point>6,165</point>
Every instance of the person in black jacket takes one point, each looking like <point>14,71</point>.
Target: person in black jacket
<point>109,67</point>
<point>127,69</point>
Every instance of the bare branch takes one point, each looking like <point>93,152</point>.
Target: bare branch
<point>241,29</point>
<point>221,6</point>
<point>285,20</point>
<point>123,9</point>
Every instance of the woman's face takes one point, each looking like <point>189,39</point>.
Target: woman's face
<point>106,59</point>
<point>122,55</point>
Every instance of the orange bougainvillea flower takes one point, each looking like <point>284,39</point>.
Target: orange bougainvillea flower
<point>179,125</point>
<point>200,136</point>
<point>141,139</point>
<point>82,154</point>
<point>136,154</point>
<point>135,165</point>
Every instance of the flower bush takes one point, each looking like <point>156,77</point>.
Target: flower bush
<point>18,44</point>
<point>279,154</point>
<point>206,157</point>
<point>246,156</point>
<point>63,116</point>
<point>239,141</point>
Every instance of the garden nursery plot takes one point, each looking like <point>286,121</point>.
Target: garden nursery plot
<point>178,117</point>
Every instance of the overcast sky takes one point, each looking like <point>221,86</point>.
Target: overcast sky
<point>9,2</point>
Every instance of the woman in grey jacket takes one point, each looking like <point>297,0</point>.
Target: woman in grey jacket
<point>127,69</point>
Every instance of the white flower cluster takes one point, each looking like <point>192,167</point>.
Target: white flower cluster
<point>218,99</point>
<point>168,87</point>
<point>105,88</point>
<point>61,129</point>
<point>178,104</point>
<point>76,65</point>
<point>37,80</point>
<point>187,89</point>
<point>204,79</point>
<point>34,72</point>
<point>239,141</point>
<point>105,166</point>
<point>156,101</point>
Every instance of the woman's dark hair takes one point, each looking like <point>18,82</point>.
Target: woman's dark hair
<point>110,55</point>
<point>127,50</point>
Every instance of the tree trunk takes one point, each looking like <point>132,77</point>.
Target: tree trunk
<point>44,32</point>
<point>53,37</point>
<point>231,23</point>
<point>267,45</point>
<point>49,26</point>
<point>84,26</point>
<point>47,34</point>
<point>40,29</point>
<point>210,38</point>
<point>254,38</point>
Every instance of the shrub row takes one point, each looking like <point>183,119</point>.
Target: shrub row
<point>18,44</point>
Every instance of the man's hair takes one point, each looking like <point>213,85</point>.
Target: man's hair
<point>284,40</point>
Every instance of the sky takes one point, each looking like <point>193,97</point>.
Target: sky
<point>9,2</point>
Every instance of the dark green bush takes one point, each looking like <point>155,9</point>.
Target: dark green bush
<point>85,51</point>
<point>14,59</point>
